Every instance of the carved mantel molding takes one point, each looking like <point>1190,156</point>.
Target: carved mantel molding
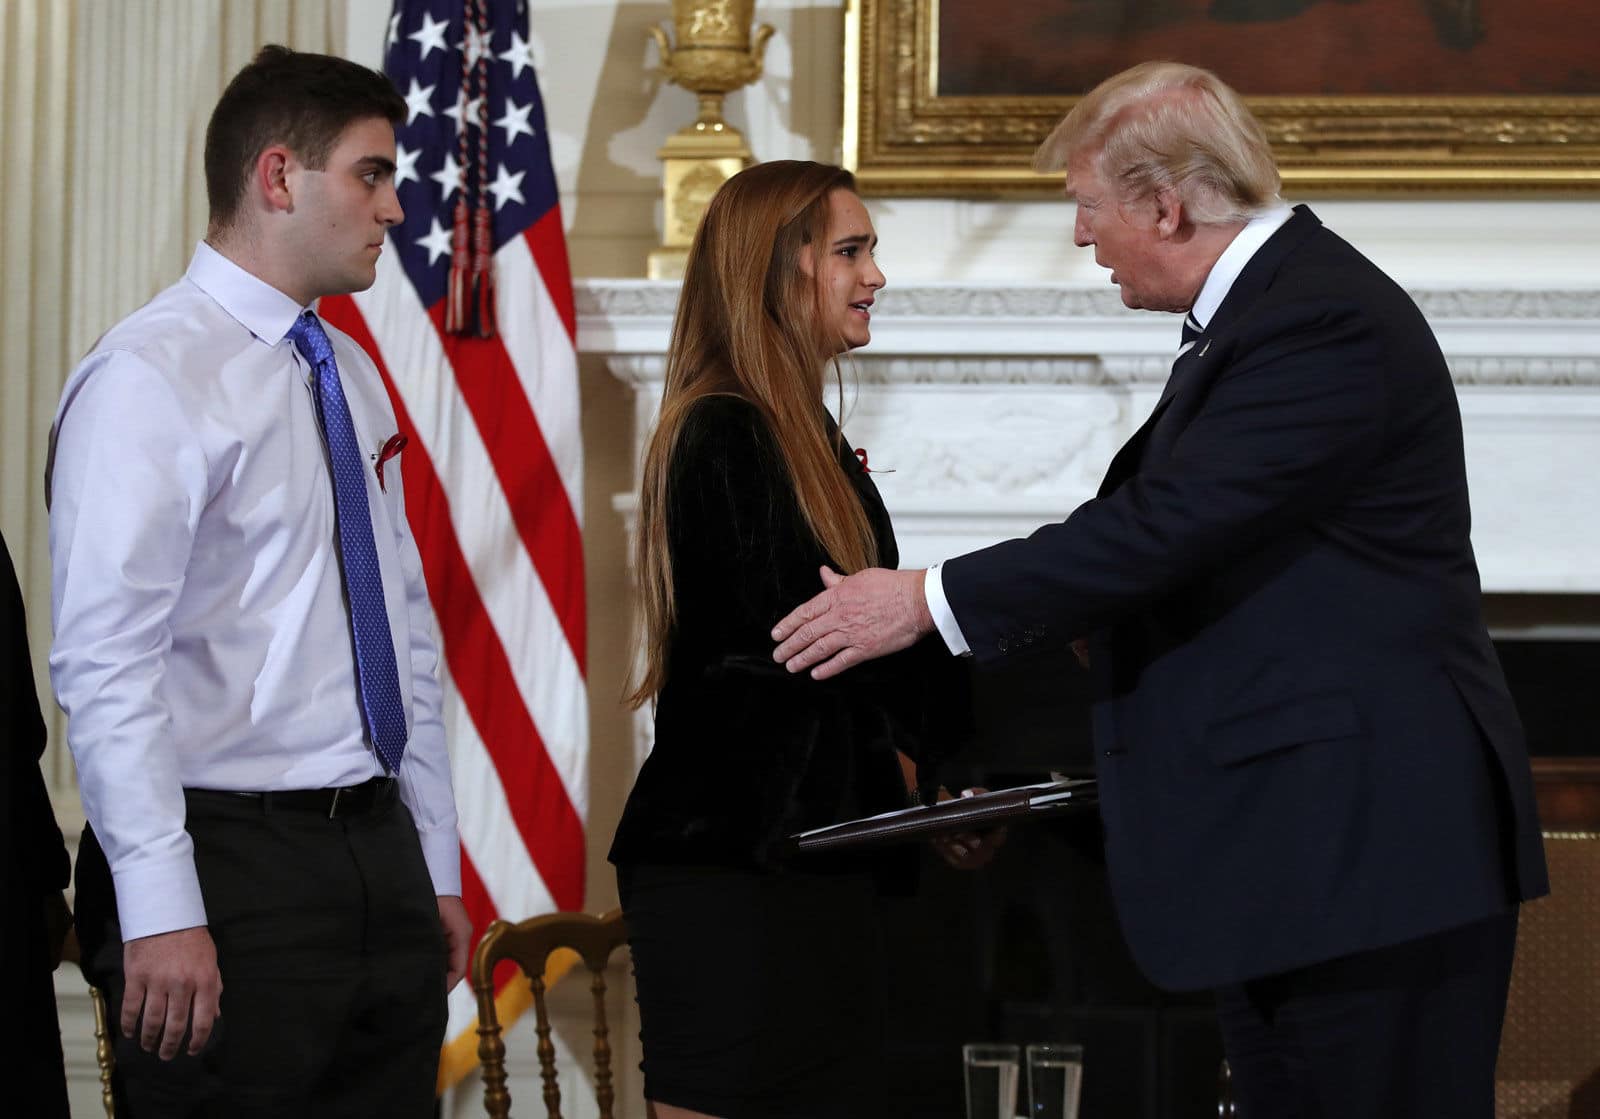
<point>997,408</point>
<point>956,334</point>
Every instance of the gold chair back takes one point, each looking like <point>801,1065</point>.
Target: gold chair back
<point>104,1057</point>
<point>529,945</point>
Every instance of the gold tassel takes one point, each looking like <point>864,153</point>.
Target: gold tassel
<point>483,272</point>
<point>457,294</point>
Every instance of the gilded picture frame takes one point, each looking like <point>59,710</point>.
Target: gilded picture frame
<point>902,136</point>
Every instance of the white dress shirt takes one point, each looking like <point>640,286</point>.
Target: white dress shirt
<point>201,634</point>
<point>1219,281</point>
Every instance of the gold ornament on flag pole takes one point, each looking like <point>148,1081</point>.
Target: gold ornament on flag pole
<point>716,54</point>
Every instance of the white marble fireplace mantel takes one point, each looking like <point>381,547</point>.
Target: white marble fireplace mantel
<point>988,410</point>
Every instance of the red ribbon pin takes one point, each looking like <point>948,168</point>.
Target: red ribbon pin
<point>391,449</point>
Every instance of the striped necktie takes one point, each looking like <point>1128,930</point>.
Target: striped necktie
<point>1191,334</point>
<point>376,676</point>
<point>1191,331</point>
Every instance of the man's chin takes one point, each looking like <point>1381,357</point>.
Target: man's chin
<point>354,282</point>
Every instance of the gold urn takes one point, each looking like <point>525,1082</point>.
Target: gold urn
<point>716,53</point>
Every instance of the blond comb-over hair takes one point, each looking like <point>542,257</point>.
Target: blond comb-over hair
<point>1169,126</point>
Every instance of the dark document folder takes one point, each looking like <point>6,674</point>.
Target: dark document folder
<point>973,813</point>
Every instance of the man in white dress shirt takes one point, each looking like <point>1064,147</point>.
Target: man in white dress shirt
<point>1315,789</point>
<point>269,888</point>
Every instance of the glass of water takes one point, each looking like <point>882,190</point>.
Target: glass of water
<point>992,1072</point>
<point>1055,1077</point>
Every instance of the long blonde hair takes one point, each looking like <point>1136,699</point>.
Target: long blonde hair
<point>750,324</point>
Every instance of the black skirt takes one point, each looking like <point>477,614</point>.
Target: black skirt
<point>760,995</point>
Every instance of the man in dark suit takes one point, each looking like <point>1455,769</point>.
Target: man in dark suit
<point>33,916</point>
<point>1314,785</point>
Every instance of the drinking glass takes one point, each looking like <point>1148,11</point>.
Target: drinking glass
<point>1055,1077</point>
<point>991,1075</point>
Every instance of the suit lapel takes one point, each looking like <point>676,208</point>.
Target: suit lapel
<point>1258,273</point>
<point>1126,461</point>
<point>1194,368</point>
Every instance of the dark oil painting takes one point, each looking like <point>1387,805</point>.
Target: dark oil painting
<point>1424,48</point>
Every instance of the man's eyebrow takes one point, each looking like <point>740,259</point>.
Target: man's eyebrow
<point>376,163</point>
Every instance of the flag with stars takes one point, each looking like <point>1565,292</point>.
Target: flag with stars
<point>493,470</point>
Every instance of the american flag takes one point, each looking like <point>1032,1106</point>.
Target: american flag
<point>493,470</point>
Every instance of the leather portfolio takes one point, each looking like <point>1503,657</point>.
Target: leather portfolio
<point>977,812</point>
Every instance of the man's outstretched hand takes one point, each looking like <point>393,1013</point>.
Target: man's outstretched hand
<point>857,618</point>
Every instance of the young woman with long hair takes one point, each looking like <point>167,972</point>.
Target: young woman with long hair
<point>760,972</point>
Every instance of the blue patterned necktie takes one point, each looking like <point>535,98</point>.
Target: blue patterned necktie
<point>376,677</point>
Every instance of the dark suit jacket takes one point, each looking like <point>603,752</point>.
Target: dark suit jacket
<point>33,865</point>
<point>1304,741</point>
<point>746,753</point>
<point>35,858</point>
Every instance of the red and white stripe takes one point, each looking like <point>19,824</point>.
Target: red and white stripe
<point>494,487</point>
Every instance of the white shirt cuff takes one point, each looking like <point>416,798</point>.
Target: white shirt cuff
<point>441,850</point>
<point>158,896</point>
<point>939,607</point>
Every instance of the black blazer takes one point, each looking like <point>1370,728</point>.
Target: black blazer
<point>1304,741</point>
<point>746,753</point>
<point>33,854</point>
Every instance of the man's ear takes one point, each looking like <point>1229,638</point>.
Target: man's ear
<point>272,174</point>
<point>1169,212</point>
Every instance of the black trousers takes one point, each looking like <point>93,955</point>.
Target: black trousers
<point>1410,1031</point>
<point>332,962</point>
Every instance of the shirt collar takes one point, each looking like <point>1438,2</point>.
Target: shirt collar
<point>1233,259</point>
<point>259,307</point>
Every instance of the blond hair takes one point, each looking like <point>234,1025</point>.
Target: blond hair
<point>1168,126</point>
<point>750,324</point>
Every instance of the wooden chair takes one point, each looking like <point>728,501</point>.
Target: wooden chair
<point>529,944</point>
<point>1549,1064</point>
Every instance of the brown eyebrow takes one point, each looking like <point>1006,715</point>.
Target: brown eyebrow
<point>376,163</point>
<point>855,239</point>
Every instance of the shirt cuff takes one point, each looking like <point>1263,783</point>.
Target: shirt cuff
<point>939,607</point>
<point>441,850</point>
<point>158,897</point>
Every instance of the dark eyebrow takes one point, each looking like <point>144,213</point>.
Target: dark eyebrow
<point>855,239</point>
<point>375,163</point>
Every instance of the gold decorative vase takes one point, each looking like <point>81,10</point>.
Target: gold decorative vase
<point>716,53</point>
